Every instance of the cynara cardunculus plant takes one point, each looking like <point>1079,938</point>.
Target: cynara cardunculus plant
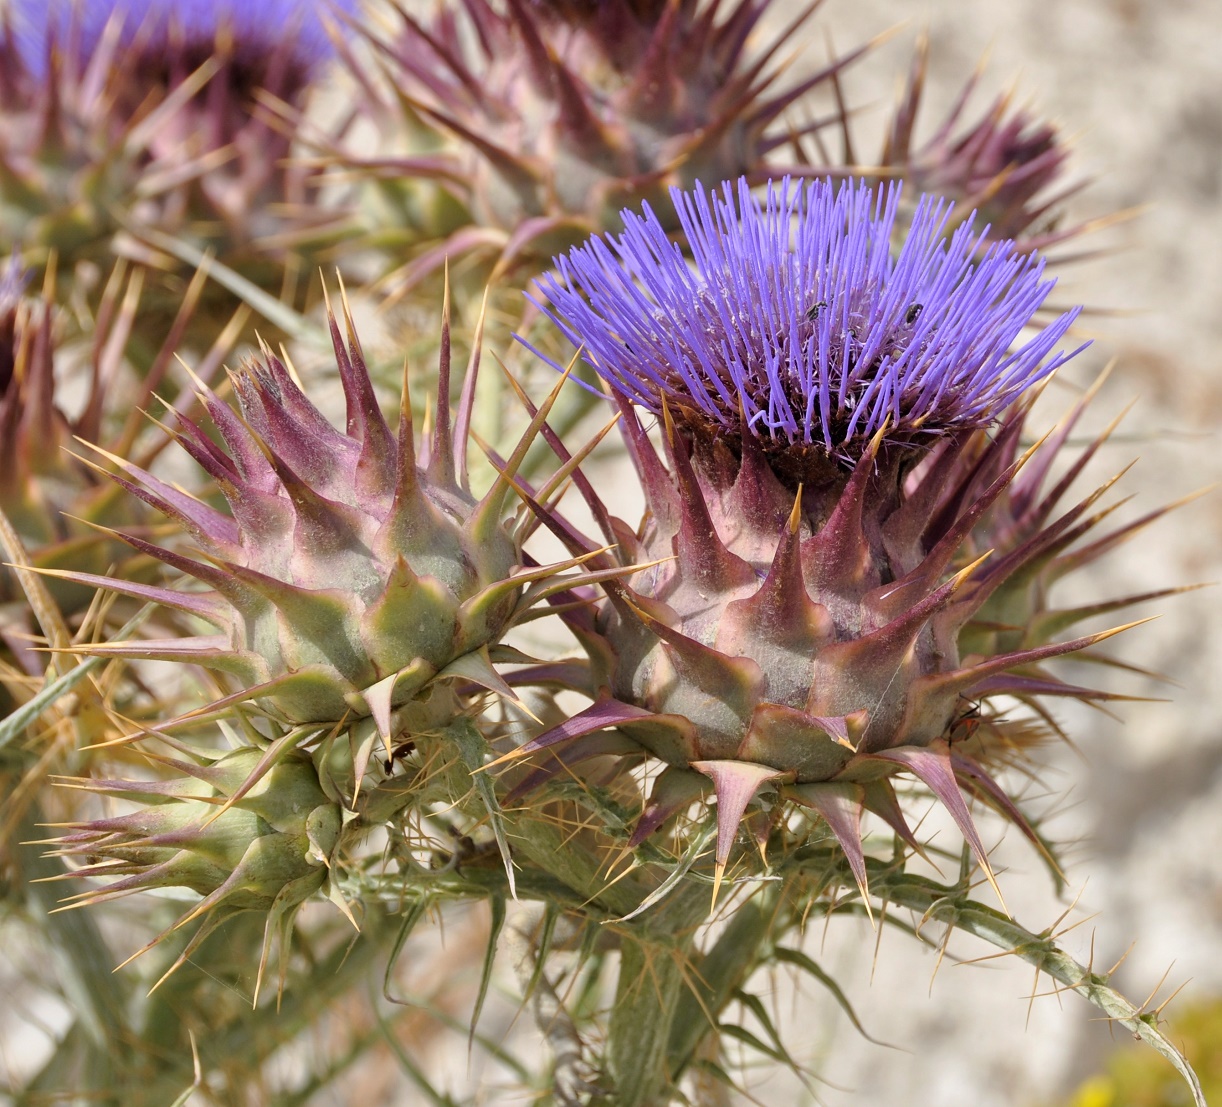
<point>834,615</point>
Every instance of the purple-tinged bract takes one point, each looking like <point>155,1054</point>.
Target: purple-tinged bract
<point>801,323</point>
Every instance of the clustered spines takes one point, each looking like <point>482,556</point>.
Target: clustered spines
<point>780,616</point>
<point>1006,164</point>
<point>250,830</point>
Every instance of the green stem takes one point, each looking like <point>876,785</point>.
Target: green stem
<point>952,905</point>
<point>655,978</point>
<point>720,973</point>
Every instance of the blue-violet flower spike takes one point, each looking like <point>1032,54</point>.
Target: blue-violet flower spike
<point>801,321</point>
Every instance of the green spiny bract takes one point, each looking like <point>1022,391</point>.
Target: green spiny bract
<point>815,615</point>
<point>562,114</point>
<point>120,138</point>
<point>352,583</point>
<point>244,835</point>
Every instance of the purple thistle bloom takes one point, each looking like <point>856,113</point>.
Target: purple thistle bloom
<point>193,26</point>
<point>803,323</point>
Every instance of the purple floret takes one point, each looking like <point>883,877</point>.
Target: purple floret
<point>804,320</point>
<point>263,26</point>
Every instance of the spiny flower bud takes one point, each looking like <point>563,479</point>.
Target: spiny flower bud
<point>826,403</point>
<point>564,112</point>
<point>352,582</point>
<point>244,835</point>
<point>1006,166</point>
<point>48,397</point>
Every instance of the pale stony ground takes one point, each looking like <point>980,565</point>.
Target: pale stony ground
<point>1138,85</point>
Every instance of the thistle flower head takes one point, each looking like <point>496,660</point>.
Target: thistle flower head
<point>565,111</point>
<point>353,581</point>
<point>128,127</point>
<point>800,324</point>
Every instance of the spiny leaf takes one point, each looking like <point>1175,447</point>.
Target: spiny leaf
<point>471,746</point>
<point>800,960</point>
<point>698,845</point>
<point>948,905</point>
<point>498,921</point>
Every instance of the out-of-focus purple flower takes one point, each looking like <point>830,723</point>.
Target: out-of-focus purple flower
<point>160,114</point>
<point>162,30</point>
<point>802,323</point>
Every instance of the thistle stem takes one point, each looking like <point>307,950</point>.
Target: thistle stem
<point>720,973</point>
<point>654,980</point>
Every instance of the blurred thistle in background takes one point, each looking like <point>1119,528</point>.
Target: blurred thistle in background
<point>138,131</point>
